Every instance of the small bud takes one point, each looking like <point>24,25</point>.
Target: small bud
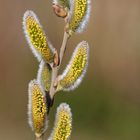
<point>79,16</point>
<point>63,123</point>
<point>76,69</point>
<point>36,38</point>
<point>37,109</point>
<point>63,8</point>
<point>44,75</point>
<point>56,59</point>
<point>59,11</point>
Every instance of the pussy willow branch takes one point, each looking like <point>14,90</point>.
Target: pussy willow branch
<point>56,69</point>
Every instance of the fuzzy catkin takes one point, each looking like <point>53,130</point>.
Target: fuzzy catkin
<point>63,123</point>
<point>36,37</point>
<point>79,16</point>
<point>44,75</point>
<point>75,70</point>
<point>37,108</point>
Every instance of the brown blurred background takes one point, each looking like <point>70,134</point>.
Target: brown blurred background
<point>106,106</point>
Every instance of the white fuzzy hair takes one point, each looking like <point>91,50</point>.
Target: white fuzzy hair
<point>41,67</point>
<point>71,9</point>
<point>79,80</point>
<point>29,113</point>
<point>61,107</point>
<point>27,14</point>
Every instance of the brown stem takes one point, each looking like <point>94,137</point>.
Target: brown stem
<point>54,76</point>
<point>63,47</point>
<point>56,69</point>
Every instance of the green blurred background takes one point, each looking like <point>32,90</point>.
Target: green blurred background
<point>106,106</point>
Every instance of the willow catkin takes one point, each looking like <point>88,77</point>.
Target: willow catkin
<point>36,37</point>
<point>79,16</point>
<point>76,69</point>
<point>44,75</point>
<point>63,123</point>
<point>37,108</point>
